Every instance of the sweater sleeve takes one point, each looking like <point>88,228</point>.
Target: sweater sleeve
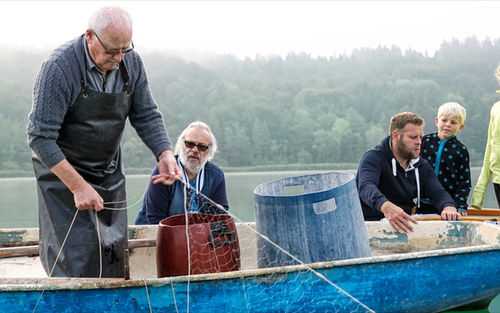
<point>51,99</point>
<point>144,115</point>
<point>484,177</point>
<point>157,201</point>
<point>369,173</point>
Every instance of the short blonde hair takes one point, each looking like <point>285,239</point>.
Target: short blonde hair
<point>454,110</point>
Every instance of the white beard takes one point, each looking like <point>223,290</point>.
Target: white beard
<point>190,166</point>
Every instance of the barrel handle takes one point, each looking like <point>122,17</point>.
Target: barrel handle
<point>325,206</point>
<point>320,207</point>
<point>219,230</point>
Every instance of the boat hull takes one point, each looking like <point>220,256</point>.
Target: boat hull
<point>420,281</point>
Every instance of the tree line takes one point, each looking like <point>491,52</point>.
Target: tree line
<point>293,112</point>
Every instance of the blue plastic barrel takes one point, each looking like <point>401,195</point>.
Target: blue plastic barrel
<point>321,221</point>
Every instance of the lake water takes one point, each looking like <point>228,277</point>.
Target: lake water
<point>18,207</point>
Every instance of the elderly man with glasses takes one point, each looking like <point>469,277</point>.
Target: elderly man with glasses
<point>202,188</point>
<point>83,94</point>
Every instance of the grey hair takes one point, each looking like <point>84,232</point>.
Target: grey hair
<point>197,124</point>
<point>103,17</point>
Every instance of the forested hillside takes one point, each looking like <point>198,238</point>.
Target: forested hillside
<point>297,111</point>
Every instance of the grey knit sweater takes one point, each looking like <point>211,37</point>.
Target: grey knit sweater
<point>57,86</point>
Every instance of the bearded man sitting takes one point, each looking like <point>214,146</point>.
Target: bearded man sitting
<point>194,149</point>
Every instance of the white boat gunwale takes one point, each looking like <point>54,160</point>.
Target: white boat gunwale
<point>37,284</point>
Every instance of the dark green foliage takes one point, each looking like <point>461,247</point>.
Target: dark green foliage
<point>298,110</point>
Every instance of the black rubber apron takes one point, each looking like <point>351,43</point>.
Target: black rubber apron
<point>90,139</point>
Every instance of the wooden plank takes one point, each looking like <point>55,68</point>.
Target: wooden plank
<point>33,250</point>
<point>483,212</point>
<point>463,218</point>
<point>18,251</point>
<point>18,244</point>
<point>141,243</point>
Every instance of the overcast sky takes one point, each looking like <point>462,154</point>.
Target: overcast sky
<point>248,28</point>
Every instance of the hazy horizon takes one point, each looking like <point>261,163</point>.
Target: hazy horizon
<point>264,28</point>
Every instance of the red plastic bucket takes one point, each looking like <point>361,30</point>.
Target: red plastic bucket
<point>213,245</point>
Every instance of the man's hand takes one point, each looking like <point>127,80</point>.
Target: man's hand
<point>167,167</point>
<point>450,213</point>
<point>84,195</point>
<point>397,217</point>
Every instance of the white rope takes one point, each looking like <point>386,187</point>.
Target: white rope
<point>64,242</point>
<point>99,243</point>
<point>147,295</point>
<point>173,296</point>
<point>57,258</point>
<point>187,243</point>
<point>123,208</point>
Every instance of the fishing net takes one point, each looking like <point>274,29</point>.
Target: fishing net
<point>212,261</point>
<point>257,268</point>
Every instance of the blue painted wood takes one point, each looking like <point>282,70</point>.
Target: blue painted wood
<point>415,282</point>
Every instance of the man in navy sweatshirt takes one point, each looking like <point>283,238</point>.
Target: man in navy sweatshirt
<point>392,177</point>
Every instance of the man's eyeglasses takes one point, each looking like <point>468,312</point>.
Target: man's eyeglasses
<point>191,145</point>
<point>114,52</point>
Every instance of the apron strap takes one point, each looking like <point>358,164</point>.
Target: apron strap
<point>125,77</point>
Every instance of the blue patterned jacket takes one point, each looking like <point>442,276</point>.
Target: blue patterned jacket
<point>450,160</point>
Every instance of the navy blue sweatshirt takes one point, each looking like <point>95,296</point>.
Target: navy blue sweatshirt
<point>381,178</point>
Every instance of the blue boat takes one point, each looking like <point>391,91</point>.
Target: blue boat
<point>439,266</point>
